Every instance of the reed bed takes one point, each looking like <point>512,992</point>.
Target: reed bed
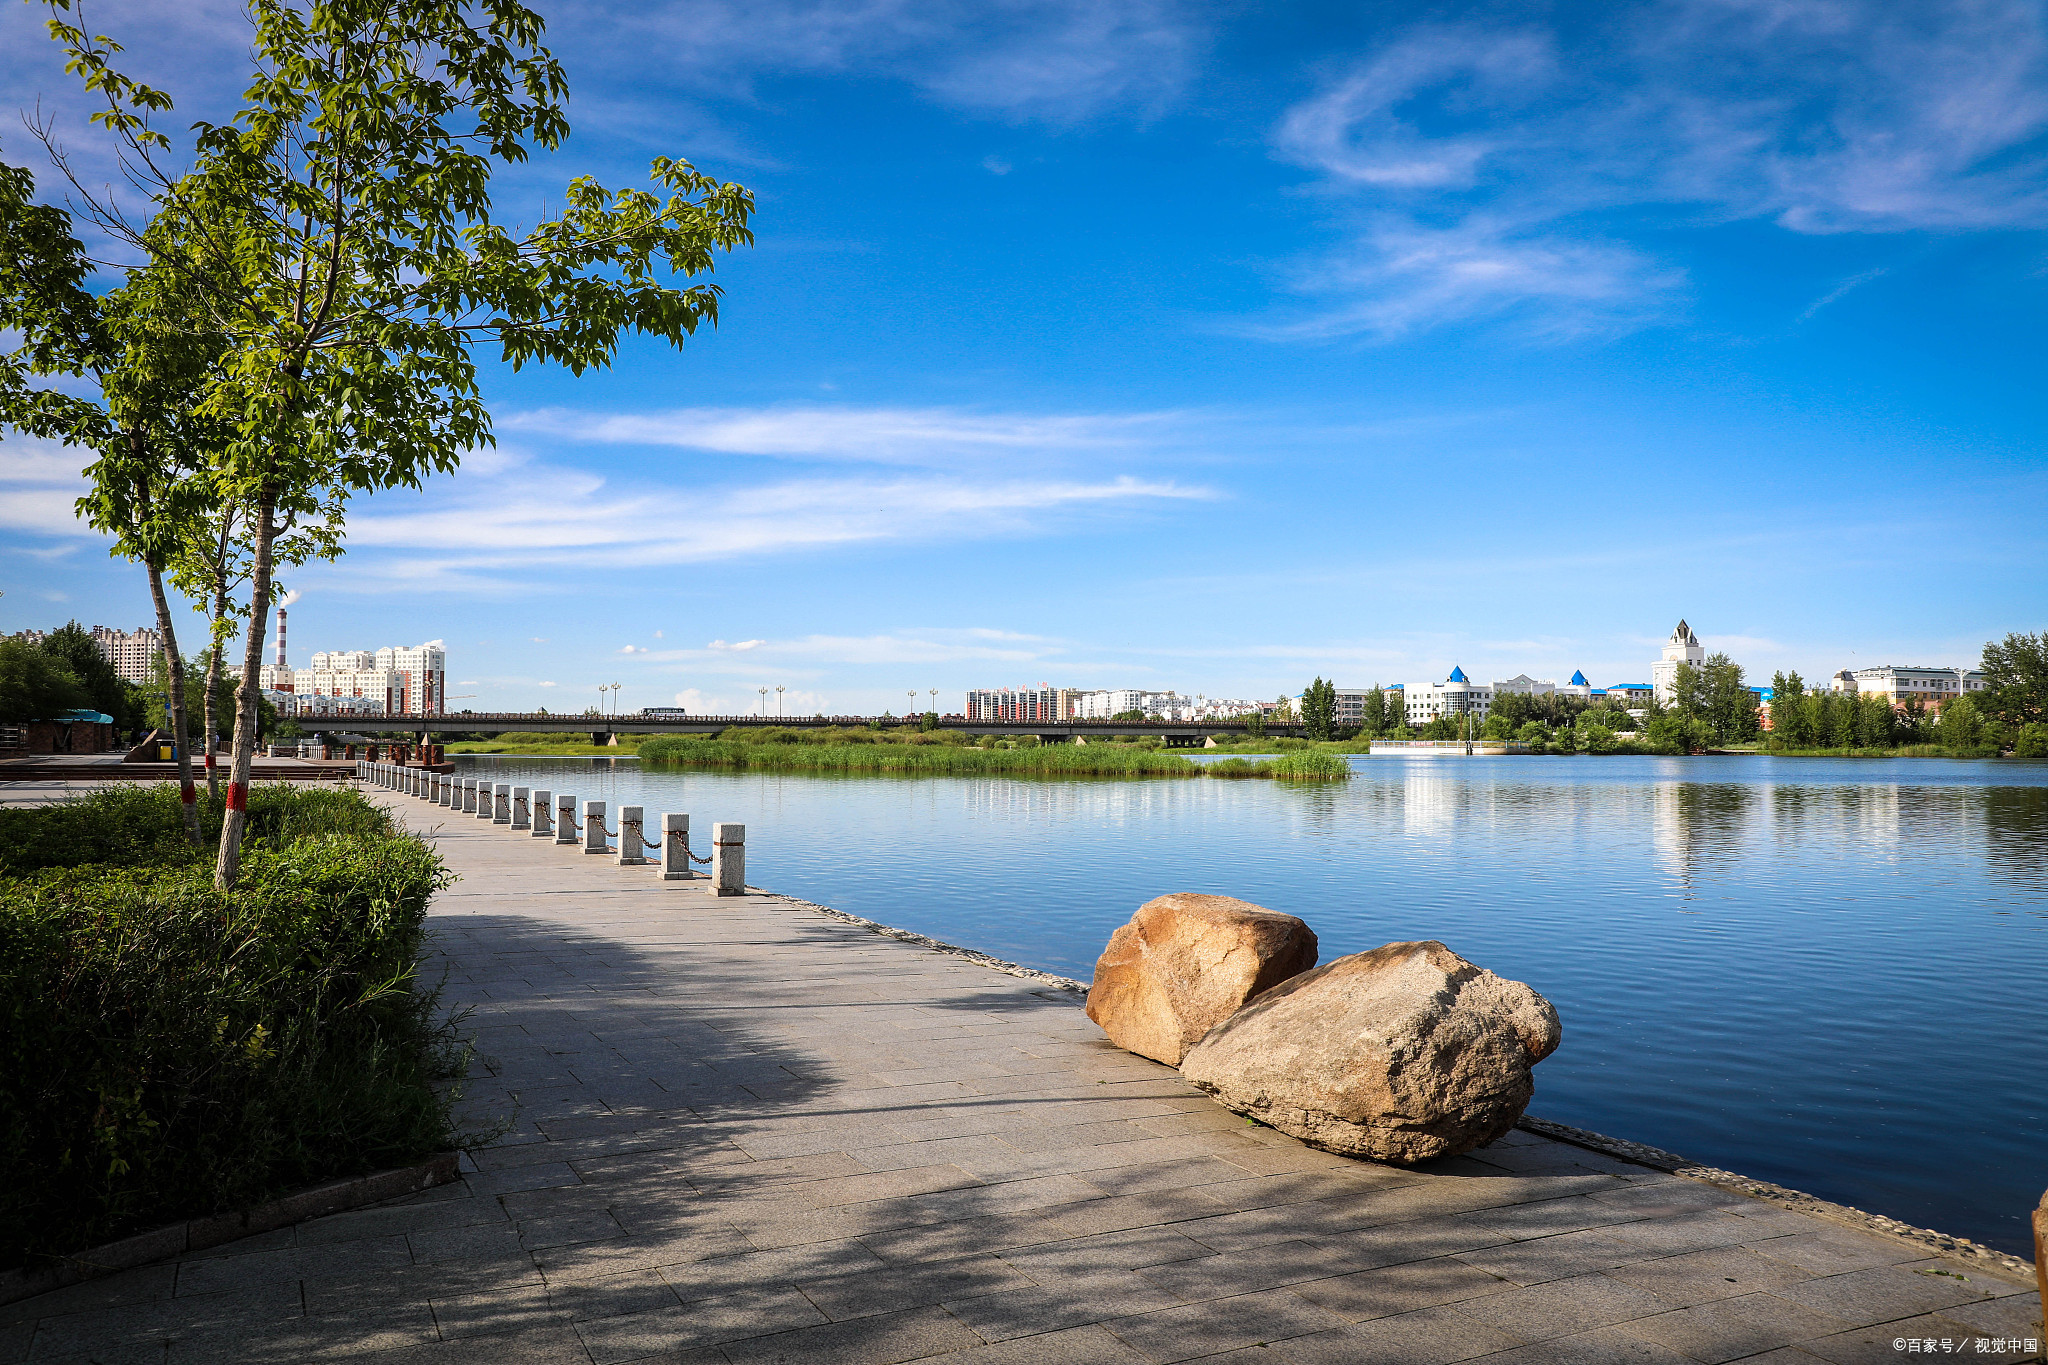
<point>1048,760</point>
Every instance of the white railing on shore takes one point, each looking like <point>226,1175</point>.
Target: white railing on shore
<point>542,814</point>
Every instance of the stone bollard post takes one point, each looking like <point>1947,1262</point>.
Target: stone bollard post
<point>728,860</point>
<point>469,796</point>
<point>632,843</point>
<point>565,820</point>
<point>412,787</point>
<point>441,784</point>
<point>675,847</point>
<point>593,828</point>
<point>501,803</point>
<point>519,809</point>
<point>543,813</point>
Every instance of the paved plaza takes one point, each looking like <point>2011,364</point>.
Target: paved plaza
<point>738,1132</point>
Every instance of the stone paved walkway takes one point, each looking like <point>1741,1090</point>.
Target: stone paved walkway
<point>742,1132</point>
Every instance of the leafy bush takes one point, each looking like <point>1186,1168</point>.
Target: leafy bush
<point>169,1051</point>
<point>140,825</point>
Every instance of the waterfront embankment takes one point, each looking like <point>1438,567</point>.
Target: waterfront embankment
<point>740,1130</point>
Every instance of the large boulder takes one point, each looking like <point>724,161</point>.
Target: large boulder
<point>1401,1054</point>
<point>1187,962</point>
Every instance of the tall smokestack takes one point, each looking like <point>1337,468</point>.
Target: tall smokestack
<point>280,637</point>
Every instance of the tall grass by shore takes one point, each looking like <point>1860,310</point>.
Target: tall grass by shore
<point>954,757</point>
<point>1047,760</point>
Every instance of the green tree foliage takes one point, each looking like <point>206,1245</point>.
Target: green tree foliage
<point>1319,708</point>
<point>103,688</point>
<point>336,238</point>
<point>35,685</point>
<point>1715,695</point>
<point>2015,691</point>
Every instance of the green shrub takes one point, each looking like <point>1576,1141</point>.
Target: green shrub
<point>169,1051</point>
<point>139,824</point>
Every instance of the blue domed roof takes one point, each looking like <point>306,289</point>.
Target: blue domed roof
<point>1457,674</point>
<point>1579,679</point>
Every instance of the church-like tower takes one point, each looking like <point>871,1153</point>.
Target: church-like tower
<point>1682,648</point>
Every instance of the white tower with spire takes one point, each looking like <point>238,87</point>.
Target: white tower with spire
<point>1682,648</point>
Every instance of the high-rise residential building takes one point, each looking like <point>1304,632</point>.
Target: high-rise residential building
<point>424,669</point>
<point>133,654</point>
<point>393,681</point>
<point>1682,648</point>
<point>1020,706</point>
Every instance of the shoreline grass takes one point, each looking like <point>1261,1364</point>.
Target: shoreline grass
<point>958,759</point>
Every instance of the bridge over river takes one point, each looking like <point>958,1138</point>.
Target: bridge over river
<point>601,729</point>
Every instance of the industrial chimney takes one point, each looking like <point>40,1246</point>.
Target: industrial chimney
<point>280,637</point>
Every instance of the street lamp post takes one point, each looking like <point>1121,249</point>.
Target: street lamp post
<point>935,699</point>
<point>764,702</point>
<point>778,701</point>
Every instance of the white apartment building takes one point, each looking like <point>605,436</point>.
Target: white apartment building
<point>1899,684</point>
<point>1117,701</point>
<point>1527,686</point>
<point>133,654</point>
<point>1456,695</point>
<point>393,681</point>
<point>424,669</point>
<point>1682,648</point>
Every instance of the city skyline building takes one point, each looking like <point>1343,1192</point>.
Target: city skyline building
<point>133,653</point>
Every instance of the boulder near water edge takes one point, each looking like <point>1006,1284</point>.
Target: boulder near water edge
<point>1401,1054</point>
<point>1185,963</point>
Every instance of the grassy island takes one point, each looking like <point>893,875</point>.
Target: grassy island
<point>944,753</point>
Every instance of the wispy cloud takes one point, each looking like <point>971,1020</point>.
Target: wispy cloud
<point>1055,61</point>
<point>1853,282</point>
<point>1522,171</point>
<point>494,536</point>
<point>909,436</point>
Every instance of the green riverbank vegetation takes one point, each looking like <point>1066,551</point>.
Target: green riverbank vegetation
<point>173,1050</point>
<point>854,749</point>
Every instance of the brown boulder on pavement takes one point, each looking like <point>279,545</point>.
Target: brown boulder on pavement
<point>1401,1054</point>
<point>1187,962</point>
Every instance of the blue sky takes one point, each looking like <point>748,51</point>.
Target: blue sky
<point>1220,346</point>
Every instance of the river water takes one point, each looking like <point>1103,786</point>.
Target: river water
<point>1829,973</point>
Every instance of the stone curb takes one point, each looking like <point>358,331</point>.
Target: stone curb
<point>1925,1239</point>
<point>1064,983</point>
<point>1937,1243</point>
<point>200,1233</point>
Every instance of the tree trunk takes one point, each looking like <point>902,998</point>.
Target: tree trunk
<point>174,671</point>
<point>212,720</point>
<point>248,696</point>
<point>218,636</point>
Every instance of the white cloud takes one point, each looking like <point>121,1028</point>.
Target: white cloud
<point>633,649</point>
<point>1059,61</point>
<point>913,436</point>
<point>741,645</point>
<point>40,481</point>
<point>1482,170</point>
<point>489,536</point>
<point>546,684</point>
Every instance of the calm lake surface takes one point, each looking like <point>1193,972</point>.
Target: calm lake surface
<point>1828,973</point>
